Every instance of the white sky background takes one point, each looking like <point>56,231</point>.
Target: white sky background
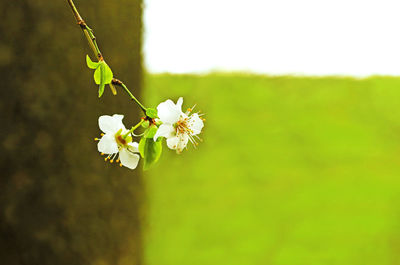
<point>307,37</point>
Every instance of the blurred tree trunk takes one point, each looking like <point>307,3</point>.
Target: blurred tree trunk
<point>60,202</point>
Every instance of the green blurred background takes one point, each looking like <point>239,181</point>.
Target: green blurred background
<point>292,170</point>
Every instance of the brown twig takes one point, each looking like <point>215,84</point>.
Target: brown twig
<point>86,30</point>
<point>93,44</point>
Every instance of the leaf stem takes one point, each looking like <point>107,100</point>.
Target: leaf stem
<point>93,44</point>
<point>133,129</point>
<point>121,84</point>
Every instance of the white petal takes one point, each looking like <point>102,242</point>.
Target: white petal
<point>168,112</point>
<point>134,147</point>
<point>183,116</point>
<point>172,142</point>
<point>179,103</point>
<point>107,144</point>
<point>128,159</point>
<point>118,117</point>
<point>195,124</point>
<point>111,124</point>
<point>178,142</point>
<point>165,130</point>
<point>118,122</point>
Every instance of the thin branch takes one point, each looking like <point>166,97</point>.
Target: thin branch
<point>93,44</point>
<point>118,82</point>
<point>86,30</point>
<point>75,11</point>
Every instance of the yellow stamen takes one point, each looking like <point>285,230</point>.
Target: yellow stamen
<point>117,160</point>
<point>96,139</point>
<point>102,154</point>
<point>102,134</point>
<point>120,164</point>
<point>111,161</point>
<point>105,159</point>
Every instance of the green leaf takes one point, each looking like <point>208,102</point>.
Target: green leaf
<point>146,124</point>
<point>103,73</point>
<point>90,63</point>
<point>103,76</point>
<point>150,151</point>
<point>151,113</point>
<point>101,89</point>
<point>108,74</point>
<point>97,75</point>
<point>150,132</point>
<point>142,144</point>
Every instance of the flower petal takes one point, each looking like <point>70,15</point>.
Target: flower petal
<point>111,124</point>
<point>134,147</point>
<point>107,144</point>
<point>179,103</point>
<point>168,112</point>
<point>165,130</point>
<point>178,142</point>
<point>128,159</point>
<point>118,122</point>
<point>195,124</point>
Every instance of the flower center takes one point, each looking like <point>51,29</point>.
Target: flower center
<point>120,140</point>
<point>182,126</point>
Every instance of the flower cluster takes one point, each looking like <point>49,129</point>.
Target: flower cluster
<point>178,127</point>
<point>167,122</point>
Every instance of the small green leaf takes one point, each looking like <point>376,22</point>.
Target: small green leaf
<point>97,75</point>
<point>150,132</point>
<point>142,144</point>
<point>150,151</point>
<point>103,73</point>
<point>151,113</point>
<point>145,124</point>
<point>90,63</point>
<point>101,89</point>
<point>108,74</point>
<point>103,76</point>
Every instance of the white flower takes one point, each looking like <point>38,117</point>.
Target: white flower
<point>177,127</point>
<point>116,141</point>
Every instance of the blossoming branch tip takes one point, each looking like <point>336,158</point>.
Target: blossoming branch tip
<point>178,127</point>
<point>114,145</point>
